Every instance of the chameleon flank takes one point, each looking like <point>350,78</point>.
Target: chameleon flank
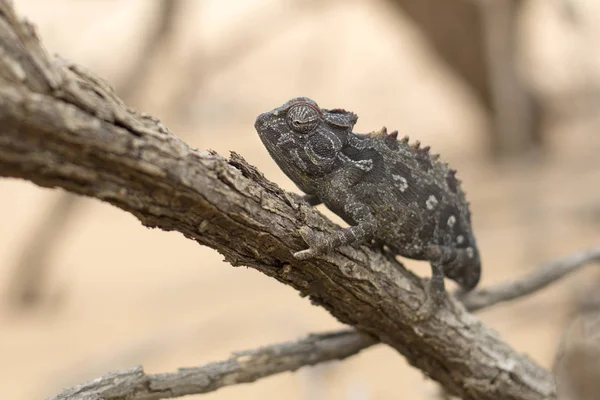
<point>388,191</point>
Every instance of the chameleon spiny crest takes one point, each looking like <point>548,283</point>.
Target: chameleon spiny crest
<point>387,190</point>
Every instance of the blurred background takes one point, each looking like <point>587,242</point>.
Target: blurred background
<point>506,92</point>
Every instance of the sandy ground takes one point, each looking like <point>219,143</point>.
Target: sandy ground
<point>120,295</point>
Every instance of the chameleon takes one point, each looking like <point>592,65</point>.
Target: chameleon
<point>389,191</point>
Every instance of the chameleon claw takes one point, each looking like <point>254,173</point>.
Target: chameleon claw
<point>311,239</point>
<point>427,310</point>
<point>431,304</point>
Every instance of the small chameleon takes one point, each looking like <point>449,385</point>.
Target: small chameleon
<point>390,192</point>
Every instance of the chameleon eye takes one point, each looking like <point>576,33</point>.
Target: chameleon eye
<point>302,118</point>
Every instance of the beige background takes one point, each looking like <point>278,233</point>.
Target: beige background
<point>120,295</point>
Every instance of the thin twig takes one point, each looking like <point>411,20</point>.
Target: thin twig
<point>244,367</point>
<point>529,284</point>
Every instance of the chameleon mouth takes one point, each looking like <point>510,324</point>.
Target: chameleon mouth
<point>261,122</point>
<point>267,134</point>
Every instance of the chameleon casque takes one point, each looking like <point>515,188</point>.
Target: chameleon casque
<point>389,191</point>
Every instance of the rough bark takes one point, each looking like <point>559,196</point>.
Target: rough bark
<point>62,127</point>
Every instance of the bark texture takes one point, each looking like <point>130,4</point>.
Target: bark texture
<point>63,127</point>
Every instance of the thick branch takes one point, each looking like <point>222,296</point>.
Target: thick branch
<point>243,367</point>
<point>63,127</point>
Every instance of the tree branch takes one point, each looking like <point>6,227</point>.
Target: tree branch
<point>243,367</point>
<point>62,127</point>
<point>537,280</point>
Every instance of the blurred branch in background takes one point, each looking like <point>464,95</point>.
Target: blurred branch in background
<point>159,38</point>
<point>478,40</point>
<point>241,41</point>
<point>568,11</point>
<point>26,287</point>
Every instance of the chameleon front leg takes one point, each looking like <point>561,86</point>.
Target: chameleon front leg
<point>364,229</point>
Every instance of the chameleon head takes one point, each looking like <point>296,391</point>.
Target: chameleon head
<point>303,139</point>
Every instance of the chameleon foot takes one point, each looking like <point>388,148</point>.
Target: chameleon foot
<point>431,305</point>
<point>313,240</point>
<point>427,310</point>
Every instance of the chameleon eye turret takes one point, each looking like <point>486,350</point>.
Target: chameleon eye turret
<point>303,118</point>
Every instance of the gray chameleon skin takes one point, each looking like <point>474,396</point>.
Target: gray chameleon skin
<point>388,191</point>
